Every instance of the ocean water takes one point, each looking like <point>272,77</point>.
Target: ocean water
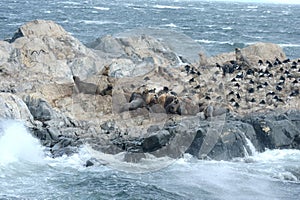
<point>216,26</point>
<point>28,172</point>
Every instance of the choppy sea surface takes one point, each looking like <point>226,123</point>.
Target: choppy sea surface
<point>216,26</point>
<point>27,172</point>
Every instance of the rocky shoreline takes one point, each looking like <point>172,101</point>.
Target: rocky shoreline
<point>136,95</point>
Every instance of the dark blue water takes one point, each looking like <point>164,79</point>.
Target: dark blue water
<point>218,27</point>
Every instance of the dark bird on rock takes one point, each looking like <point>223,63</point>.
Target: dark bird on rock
<point>252,100</point>
<point>233,80</point>
<point>270,93</point>
<point>251,90</point>
<point>265,84</point>
<point>294,65</point>
<point>187,68</point>
<point>295,93</point>
<point>259,87</point>
<point>240,75</point>
<point>269,64</point>
<point>207,98</point>
<point>278,99</point>
<point>231,93</point>
<point>251,81</point>
<point>250,72</point>
<point>278,88</point>
<point>281,69</point>
<point>237,85</point>
<point>277,62</point>
<point>236,105</point>
<point>260,62</point>
<point>191,80</point>
<point>233,62</point>
<point>232,100</point>
<point>238,96</point>
<point>286,61</point>
<point>262,102</point>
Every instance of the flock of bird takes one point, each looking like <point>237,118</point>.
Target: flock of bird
<point>245,87</point>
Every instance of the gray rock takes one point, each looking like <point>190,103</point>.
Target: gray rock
<point>156,140</point>
<point>274,130</point>
<point>39,108</point>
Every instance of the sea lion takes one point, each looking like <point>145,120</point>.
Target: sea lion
<point>203,59</point>
<point>136,101</point>
<point>150,97</point>
<point>213,111</point>
<point>240,58</point>
<point>107,90</point>
<point>86,88</point>
<point>187,107</point>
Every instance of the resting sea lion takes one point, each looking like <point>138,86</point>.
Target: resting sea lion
<point>86,88</point>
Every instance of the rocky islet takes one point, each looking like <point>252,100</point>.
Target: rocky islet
<point>210,109</point>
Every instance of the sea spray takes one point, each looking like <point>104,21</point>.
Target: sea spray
<point>17,144</point>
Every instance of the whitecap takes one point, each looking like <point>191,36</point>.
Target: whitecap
<point>170,25</point>
<point>206,41</point>
<point>289,45</point>
<point>167,7</point>
<point>98,22</point>
<point>227,28</point>
<point>101,8</point>
<point>252,7</point>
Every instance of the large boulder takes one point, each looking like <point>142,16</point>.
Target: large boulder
<point>222,140</point>
<point>253,53</point>
<point>134,55</point>
<point>275,130</point>
<point>12,107</point>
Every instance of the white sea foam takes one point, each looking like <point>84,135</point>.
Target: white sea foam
<point>227,28</point>
<point>289,45</point>
<point>101,8</point>
<point>206,41</point>
<point>278,155</point>
<point>17,144</point>
<point>170,25</point>
<point>167,7</point>
<point>98,22</point>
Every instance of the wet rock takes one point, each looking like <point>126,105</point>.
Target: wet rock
<point>156,140</point>
<point>274,130</point>
<point>89,163</point>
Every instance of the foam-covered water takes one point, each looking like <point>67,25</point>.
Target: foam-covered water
<point>27,173</point>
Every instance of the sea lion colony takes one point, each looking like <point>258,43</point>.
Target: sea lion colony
<point>235,86</point>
